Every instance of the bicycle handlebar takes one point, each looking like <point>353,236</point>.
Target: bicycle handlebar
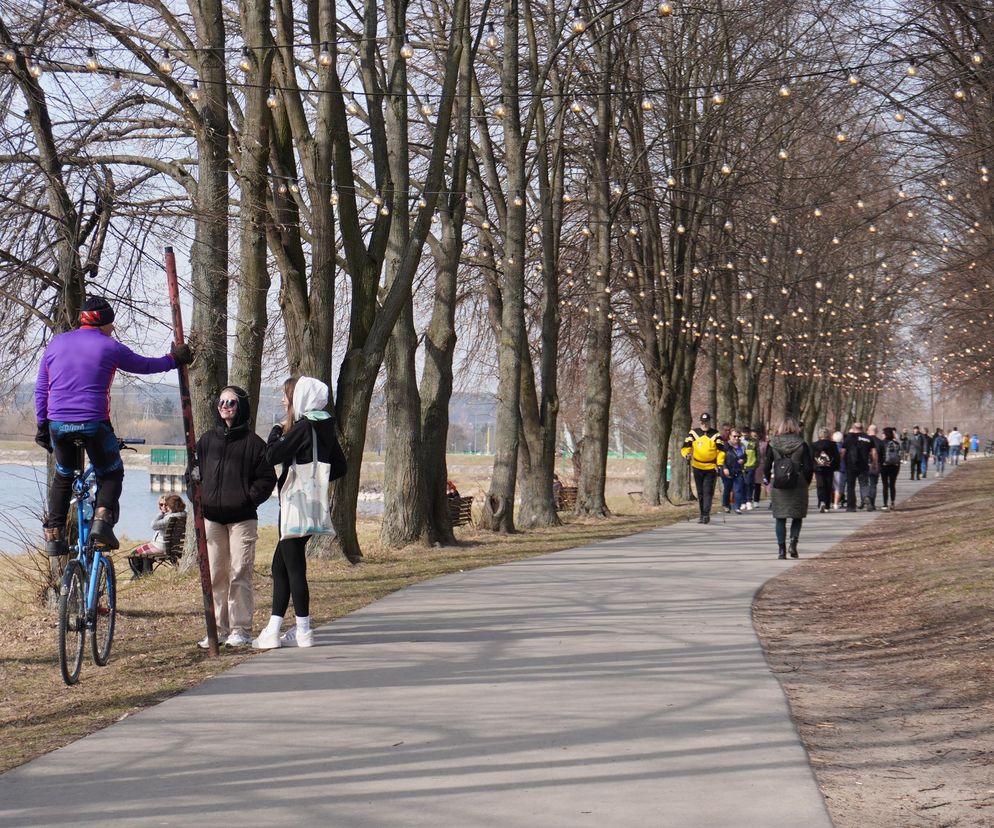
<point>125,443</point>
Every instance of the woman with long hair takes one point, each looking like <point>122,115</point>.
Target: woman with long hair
<point>293,441</point>
<point>789,500</point>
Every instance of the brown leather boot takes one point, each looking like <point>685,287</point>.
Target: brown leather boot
<point>55,544</point>
<point>102,530</point>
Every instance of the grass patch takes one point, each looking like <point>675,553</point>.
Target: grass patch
<point>161,618</point>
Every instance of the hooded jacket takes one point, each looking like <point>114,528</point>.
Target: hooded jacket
<point>235,476</point>
<point>310,398</point>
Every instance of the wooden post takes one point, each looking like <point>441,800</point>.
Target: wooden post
<point>191,450</point>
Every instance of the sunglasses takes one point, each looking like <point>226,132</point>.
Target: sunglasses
<point>227,403</point>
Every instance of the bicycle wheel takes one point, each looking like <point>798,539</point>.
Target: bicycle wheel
<point>105,612</point>
<point>72,622</point>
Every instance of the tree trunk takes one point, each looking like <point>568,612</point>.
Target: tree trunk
<point>498,508</point>
<point>252,320</point>
<point>590,499</point>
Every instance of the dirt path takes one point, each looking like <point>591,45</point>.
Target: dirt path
<point>885,648</point>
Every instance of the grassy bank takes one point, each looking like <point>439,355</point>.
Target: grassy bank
<point>161,618</point>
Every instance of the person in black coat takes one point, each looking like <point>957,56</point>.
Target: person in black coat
<point>825,454</point>
<point>236,478</point>
<point>292,442</point>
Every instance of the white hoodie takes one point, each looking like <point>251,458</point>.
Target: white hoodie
<point>955,438</point>
<point>310,396</point>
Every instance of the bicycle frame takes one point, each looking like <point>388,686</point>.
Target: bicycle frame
<point>85,487</point>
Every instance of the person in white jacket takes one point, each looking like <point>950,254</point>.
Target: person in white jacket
<point>955,446</point>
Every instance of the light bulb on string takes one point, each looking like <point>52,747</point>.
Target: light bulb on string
<point>818,212</point>
<point>912,69</point>
<point>195,91</point>
<point>899,117</point>
<point>426,108</point>
<point>384,210</point>
<point>959,93</point>
<point>860,204</point>
<point>782,153</point>
<point>9,55</point>
<point>245,64</point>
<point>518,200</point>
<point>646,105</point>
<point>407,51</point>
<point>579,25</point>
<point>726,169</point>
<point>324,57</point>
<point>853,79</point>
<point>976,58</point>
<point>665,9</point>
<point>840,135</point>
<point>784,90</point>
<point>576,107</point>
<point>500,111</point>
<point>377,200</point>
<point>166,63</point>
<point>670,181</point>
<point>271,100</point>
<point>717,98</point>
<point>333,200</point>
<point>34,69</point>
<point>491,41</point>
<point>91,60</point>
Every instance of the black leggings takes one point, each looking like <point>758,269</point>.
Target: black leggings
<point>888,475</point>
<point>290,577</point>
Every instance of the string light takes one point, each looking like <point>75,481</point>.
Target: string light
<point>840,135</point>
<point>195,91</point>
<point>324,58</point>
<point>407,51</point>
<point>166,63</point>
<point>665,9</point>
<point>91,60</point>
<point>579,25</point>
<point>115,84</point>
<point>9,55</point>
<point>271,100</point>
<point>35,70</point>
<point>491,41</point>
<point>245,64</point>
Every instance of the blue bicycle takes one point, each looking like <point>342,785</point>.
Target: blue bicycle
<point>88,591</point>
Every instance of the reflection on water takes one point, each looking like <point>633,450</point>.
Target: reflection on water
<point>23,494</point>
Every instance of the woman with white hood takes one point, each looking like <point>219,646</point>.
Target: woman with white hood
<point>291,441</point>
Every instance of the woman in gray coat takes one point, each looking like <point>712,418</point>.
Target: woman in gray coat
<point>789,502</point>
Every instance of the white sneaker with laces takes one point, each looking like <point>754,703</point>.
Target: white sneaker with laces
<point>267,640</point>
<point>203,644</point>
<point>293,637</point>
<point>238,639</point>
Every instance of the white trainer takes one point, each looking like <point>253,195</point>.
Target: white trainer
<point>238,639</point>
<point>293,637</point>
<point>267,640</point>
<point>204,644</point>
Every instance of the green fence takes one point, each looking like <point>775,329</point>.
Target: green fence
<point>168,456</point>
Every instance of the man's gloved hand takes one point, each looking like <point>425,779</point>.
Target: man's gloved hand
<point>181,354</point>
<point>43,437</point>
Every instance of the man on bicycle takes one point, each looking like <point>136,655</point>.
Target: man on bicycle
<point>72,400</point>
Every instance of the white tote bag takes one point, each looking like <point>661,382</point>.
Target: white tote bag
<point>304,498</point>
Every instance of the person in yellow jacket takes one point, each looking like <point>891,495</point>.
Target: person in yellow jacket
<point>705,450</point>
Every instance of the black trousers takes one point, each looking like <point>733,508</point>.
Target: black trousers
<point>823,481</point>
<point>290,577</point>
<point>704,481</point>
<point>888,476</point>
<point>852,475</point>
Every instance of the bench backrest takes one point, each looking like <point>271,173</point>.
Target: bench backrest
<point>174,537</point>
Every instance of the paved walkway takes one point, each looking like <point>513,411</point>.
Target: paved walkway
<point>619,684</point>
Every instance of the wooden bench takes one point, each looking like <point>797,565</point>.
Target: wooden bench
<point>461,510</point>
<point>567,499</point>
<point>174,538</point>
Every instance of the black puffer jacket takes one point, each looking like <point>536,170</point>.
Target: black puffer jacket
<point>235,476</point>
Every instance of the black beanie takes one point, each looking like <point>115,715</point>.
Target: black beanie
<point>96,312</point>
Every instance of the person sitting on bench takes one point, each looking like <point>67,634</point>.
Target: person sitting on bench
<point>171,508</point>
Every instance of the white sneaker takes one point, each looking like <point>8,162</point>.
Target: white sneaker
<point>749,505</point>
<point>267,640</point>
<point>238,639</point>
<point>293,637</point>
<point>204,644</point>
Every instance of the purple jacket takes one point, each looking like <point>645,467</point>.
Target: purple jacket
<point>76,372</point>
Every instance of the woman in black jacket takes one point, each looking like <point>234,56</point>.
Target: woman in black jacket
<point>292,442</point>
<point>235,480</point>
<point>826,462</point>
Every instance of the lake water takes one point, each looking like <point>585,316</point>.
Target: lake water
<point>23,494</point>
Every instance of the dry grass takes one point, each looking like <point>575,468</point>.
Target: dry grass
<point>161,618</point>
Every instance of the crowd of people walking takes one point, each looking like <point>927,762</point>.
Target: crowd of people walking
<point>848,469</point>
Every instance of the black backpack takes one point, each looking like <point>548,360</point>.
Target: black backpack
<point>785,469</point>
<point>892,453</point>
